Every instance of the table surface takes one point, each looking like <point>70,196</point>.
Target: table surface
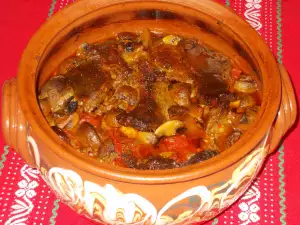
<point>272,199</point>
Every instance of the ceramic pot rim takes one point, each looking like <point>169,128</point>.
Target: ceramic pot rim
<point>42,131</point>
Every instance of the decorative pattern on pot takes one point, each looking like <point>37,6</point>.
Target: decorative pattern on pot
<point>112,206</point>
<point>108,205</point>
<point>219,198</point>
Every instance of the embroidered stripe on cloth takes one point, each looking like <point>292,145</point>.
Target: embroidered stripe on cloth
<point>25,199</point>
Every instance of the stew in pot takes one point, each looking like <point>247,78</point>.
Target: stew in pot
<point>149,101</point>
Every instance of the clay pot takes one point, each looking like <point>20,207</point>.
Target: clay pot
<point>108,194</point>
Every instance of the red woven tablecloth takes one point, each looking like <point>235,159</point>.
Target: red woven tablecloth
<point>272,199</point>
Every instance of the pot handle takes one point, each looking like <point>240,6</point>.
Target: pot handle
<point>287,113</point>
<point>13,121</point>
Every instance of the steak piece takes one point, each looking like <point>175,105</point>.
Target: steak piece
<point>143,118</point>
<point>211,84</point>
<point>158,163</point>
<point>202,156</point>
<point>177,112</point>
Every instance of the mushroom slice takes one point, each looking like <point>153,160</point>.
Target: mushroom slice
<point>143,137</point>
<point>169,128</point>
<point>147,138</point>
<point>245,85</point>
<point>129,132</point>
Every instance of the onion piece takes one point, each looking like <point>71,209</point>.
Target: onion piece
<point>169,128</point>
<point>146,38</point>
<point>129,132</point>
<point>247,101</point>
<point>235,104</point>
<point>245,87</point>
<point>143,137</point>
<point>171,40</point>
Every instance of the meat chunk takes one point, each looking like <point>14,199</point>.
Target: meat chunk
<point>143,118</point>
<point>196,54</point>
<point>251,114</point>
<point>129,160</point>
<point>219,64</point>
<point>169,59</point>
<point>212,121</point>
<point>163,98</point>
<point>177,112</point>
<point>211,84</point>
<point>226,98</point>
<point>232,138</point>
<point>149,75</point>
<point>107,152</point>
<point>127,97</point>
<point>86,79</point>
<point>181,92</point>
<point>158,163</point>
<point>96,98</point>
<point>218,128</point>
<point>68,64</point>
<point>202,156</point>
<point>109,53</point>
<point>61,134</point>
<point>58,92</point>
<point>88,138</point>
<point>147,71</point>
<point>87,52</point>
<point>205,60</point>
<point>129,41</point>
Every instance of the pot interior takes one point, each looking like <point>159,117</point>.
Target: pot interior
<point>133,17</point>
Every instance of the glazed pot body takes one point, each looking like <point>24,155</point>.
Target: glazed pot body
<point>109,201</point>
<point>123,196</point>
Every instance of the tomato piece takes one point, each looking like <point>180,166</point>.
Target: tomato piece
<point>177,143</point>
<point>213,102</point>
<point>195,141</point>
<point>174,142</point>
<point>193,100</point>
<point>145,150</point>
<point>115,137</point>
<point>235,73</point>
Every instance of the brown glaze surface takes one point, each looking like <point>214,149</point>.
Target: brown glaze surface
<point>14,124</point>
<point>287,113</point>
<point>76,13</point>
